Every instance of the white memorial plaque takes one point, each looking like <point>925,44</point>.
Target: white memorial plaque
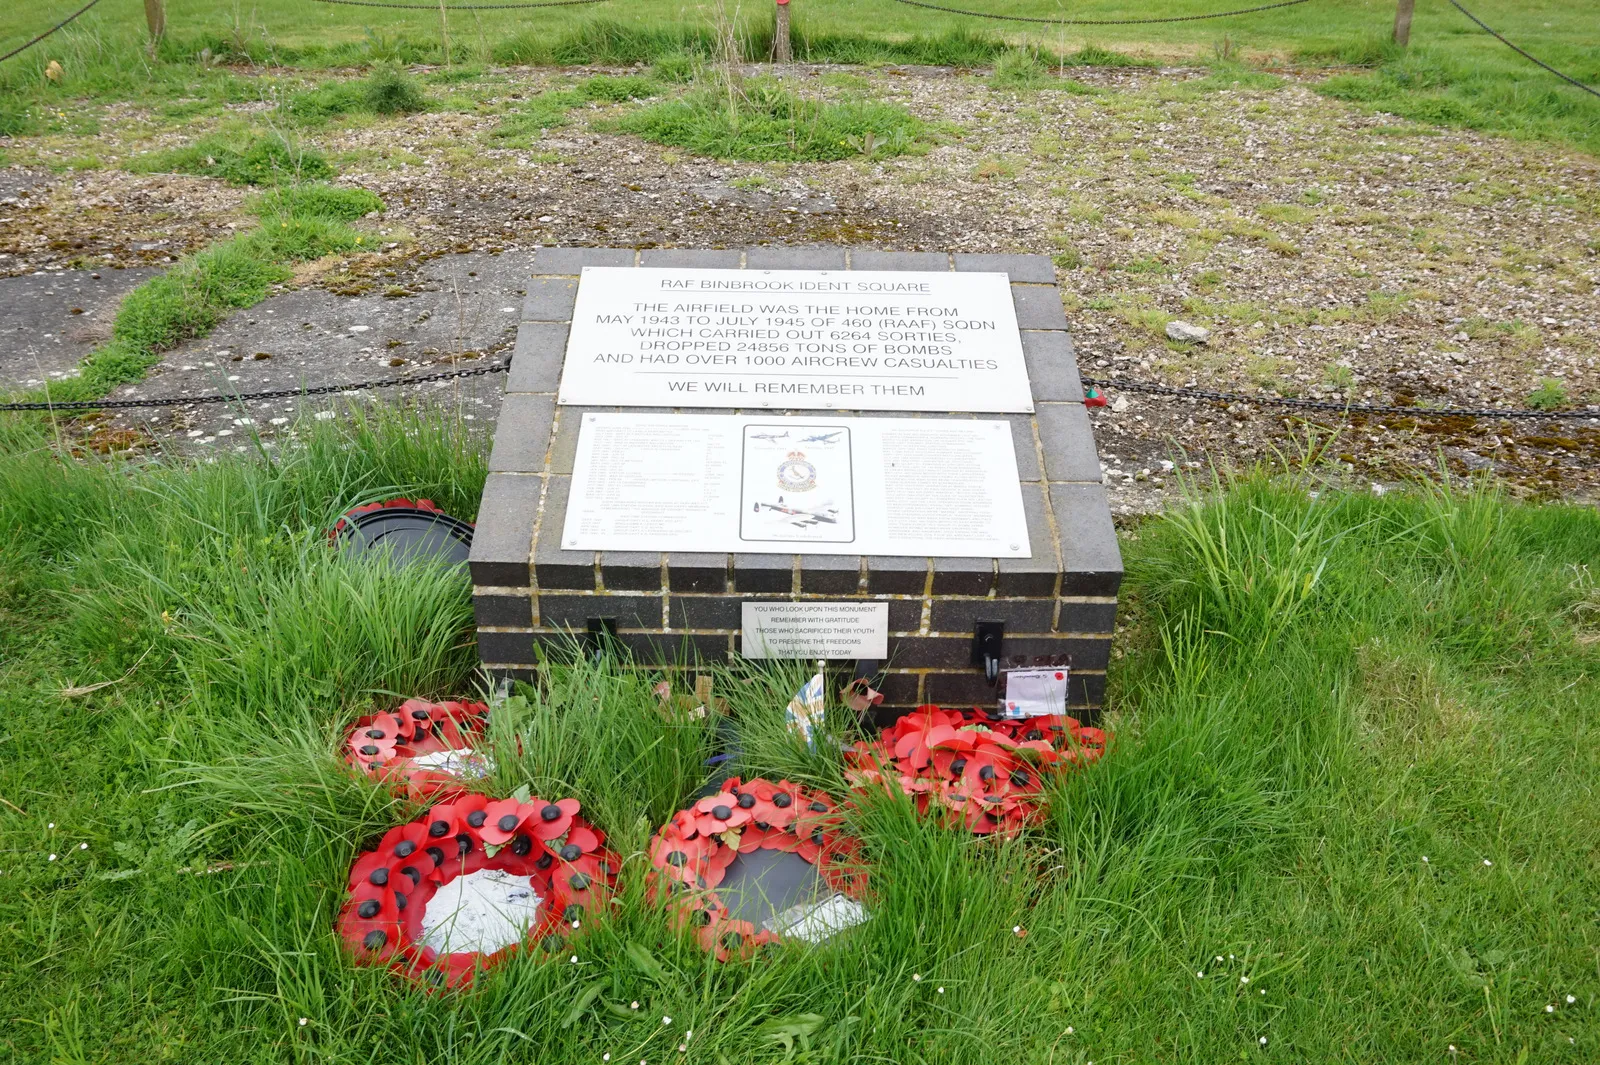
<point>815,630</point>
<point>795,340</point>
<point>841,486</point>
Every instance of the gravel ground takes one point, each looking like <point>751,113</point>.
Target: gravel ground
<point>1330,253</point>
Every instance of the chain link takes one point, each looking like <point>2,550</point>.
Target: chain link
<point>1099,21</point>
<point>1538,62</point>
<point>280,393</point>
<point>1150,388</point>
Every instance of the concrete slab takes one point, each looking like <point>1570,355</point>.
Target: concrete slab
<point>461,311</point>
<point>49,321</point>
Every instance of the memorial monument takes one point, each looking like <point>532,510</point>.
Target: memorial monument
<point>877,458</point>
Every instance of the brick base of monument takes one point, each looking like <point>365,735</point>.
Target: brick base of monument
<point>676,611</point>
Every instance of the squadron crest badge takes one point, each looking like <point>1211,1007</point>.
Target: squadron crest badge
<point>795,474</point>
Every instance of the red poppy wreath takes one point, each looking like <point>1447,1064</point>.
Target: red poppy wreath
<point>471,882</point>
<point>985,774</point>
<point>372,508</point>
<point>692,852</point>
<point>426,750</point>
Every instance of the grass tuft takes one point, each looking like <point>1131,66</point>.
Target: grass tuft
<point>258,159</point>
<point>762,120</point>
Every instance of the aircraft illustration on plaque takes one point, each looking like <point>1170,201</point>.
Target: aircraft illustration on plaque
<point>772,437</point>
<point>821,438</point>
<point>803,518</point>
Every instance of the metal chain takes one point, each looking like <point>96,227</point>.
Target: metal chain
<point>23,48</point>
<point>1485,28</point>
<point>461,7</point>
<point>1099,21</point>
<point>280,393</point>
<point>1150,388</point>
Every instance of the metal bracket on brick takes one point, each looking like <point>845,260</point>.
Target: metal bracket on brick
<point>988,637</point>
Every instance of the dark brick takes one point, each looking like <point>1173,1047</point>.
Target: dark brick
<point>962,576</point>
<point>573,260</point>
<point>1086,689</point>
<point>960,689</point>
<point>794,259</point>
<point>868,259</point>
<point>574,611</point>
<point>1052,366</point>
<point>675,647</point>
<point>704,611</point>
<point>1038,307</point>
<point>896,575</point>
<point>920,652</point>
<point>830,574</point>
<point>506,648</point>
<point>522,434</point>
<point>503,611</point>
<point>1068,443</point>
<point>1091,561</point>
<point>1086,617</point>
<point>503,539</point>
<point>550,299</point>
<point>763,573</point>
<point>1032,268</point>
<point>630,571</point>
<point>905,615</point>
<point>1020,615</point>
<point>697,258</point>
<point>1034,576</point>
<point>690,572</point>
<point>900,689</point>
<point>1033,652</point>
<point>554,566</point>
<point>536,359</point>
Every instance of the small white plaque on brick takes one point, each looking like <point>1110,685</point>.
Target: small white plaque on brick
<point>815,630</point>
<point>795,340</point>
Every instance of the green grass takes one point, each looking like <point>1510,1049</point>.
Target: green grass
<point>299,223</point>
<point>548,109</point>
<point>1315,691</point>
<point>252,159</point>
<point>762,120</point>
<point>1453,75</point>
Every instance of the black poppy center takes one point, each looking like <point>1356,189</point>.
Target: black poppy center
<point>746,801</point>
<point>782,800</point>
<point>819,807</point>
<point>986,773</point>
<point>507,823</point>
<point>378,877</point>
<point>375,939</point>
<point>552,812</point>
<point>522,846</point>
<point>721,813</point>
<point>375,733</point>
<point>579,881</point>
<point>1020,779</point>
<point>476,818</point>
<point>368,909</point>
<point>404,849</point>
<point>438,828</point>
<point>369,749</point>
<point>570,852</point>
<point>958,765</point>
<point>677,858</point>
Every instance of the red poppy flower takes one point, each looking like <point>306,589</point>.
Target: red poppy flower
<point>715,814</point>
<point>552,819</point>
<point>504,819</point>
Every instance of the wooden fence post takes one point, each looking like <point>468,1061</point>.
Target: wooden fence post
<point>155,13</point>
<point>781,52</point>
<point>1402,23</point>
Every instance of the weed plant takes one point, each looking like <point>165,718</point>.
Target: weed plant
<point>1349,808</point>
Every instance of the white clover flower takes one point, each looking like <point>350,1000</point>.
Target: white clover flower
<point>940,990</point>
<point>1069,1029</point>
<point>1487,862</point>
<point>634,1004</point>
<point>666,1020</point>
<point>52,857</point>
<point>1549,1008</point>
<point>916,978</point>
<point>1571,999</point>
<point>304,1021</point>
<point>1244,979</point>
<point>1263,1040</point>
<point>573,959</point>
<point>1200,975</point>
